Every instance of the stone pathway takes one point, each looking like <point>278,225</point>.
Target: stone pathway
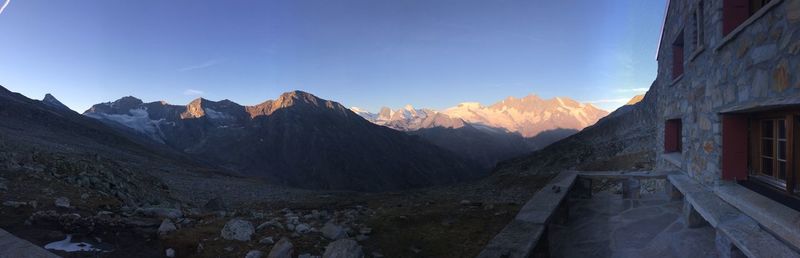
<point>14,247</point>
<point>609,226</point>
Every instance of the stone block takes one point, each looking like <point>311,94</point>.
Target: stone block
<point>631,189</point>
<point>692,218</point>
<point>725,248</point>
<point>583,188</point>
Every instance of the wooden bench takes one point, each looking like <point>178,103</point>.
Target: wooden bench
<point>737,233</point>
<point>523,237</point>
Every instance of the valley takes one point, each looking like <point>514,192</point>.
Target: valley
<point>128,177</point>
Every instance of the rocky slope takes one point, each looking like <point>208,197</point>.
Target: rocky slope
<point>621,141</point>
<point>297,140</point>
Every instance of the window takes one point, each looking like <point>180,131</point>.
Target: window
<point>772,153</point>
<point>677,57</point>
<point>672,136</point>
<point>697,25</point>
<point>735,12</point>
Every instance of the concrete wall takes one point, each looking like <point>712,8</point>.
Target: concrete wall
<point>759,64</point>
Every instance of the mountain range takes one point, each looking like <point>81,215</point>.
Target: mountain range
<point>490,134</point>
<point>528,116</point>
<point>297,139</point>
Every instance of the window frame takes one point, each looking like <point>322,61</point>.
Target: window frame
<point>789,184</point>
<point>678,59</point>
<point>698,35</point>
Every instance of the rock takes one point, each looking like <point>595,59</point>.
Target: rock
<point>254,254</point>
<point>170,252</point>
<point>365,231</point>
<point>266,241</point>
<point>302,228</point>
<point>465,202</point>
<point>238,229</point>
<point>377,255</point>
<point>333,231</point>
<point>84,196</point>
<point>343,248</point>
<point>166,227</point>
<point>160,212</point>
<point>361,238</point>
<point>14,204</point>
<point>282,249</point>
<point>307,256</point>
<point>272,223</point>
<point>290,227</point>
<point>62,202</point>
<point>200,248</point>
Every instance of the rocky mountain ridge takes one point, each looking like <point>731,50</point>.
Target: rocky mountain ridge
<point>297,139</point>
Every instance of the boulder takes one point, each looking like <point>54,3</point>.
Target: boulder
<point>282,249</point>
<point>302,228</point>
<point>170,252</point>
<point>254,254</point>
<point>61,202</point>
<point>272,223</point>
<point>266,241</point>
<point>333,231</point>
<point>343,248</point>
<point>166,227</point>
<point>238,229</point>
<point>160,212</point>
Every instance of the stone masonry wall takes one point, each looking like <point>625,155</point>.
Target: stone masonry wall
<point>759,64</point>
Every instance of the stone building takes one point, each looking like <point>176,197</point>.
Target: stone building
<point>729,93</point>
<point>729,104</point>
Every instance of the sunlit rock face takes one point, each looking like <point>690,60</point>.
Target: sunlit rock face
<point>527,116</point>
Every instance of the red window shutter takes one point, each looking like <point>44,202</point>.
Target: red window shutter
<point>734,13</point>
<point>672,136</point>
<point>734,147</point>
<point>677,61</point>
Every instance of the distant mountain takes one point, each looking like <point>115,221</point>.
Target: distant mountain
<point>620,141</point>
<point>487,135</point>
<point>298,140</point>
<point>51,101</point>
<point>528,116</point>
<point>635,99</point>
<point>47,137</point>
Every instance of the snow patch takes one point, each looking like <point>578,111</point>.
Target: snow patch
<point>137,120</point>
<point>213,114</point>
<point>67,245</point>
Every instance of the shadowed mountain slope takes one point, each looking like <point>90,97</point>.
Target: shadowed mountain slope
<point>298,140</point>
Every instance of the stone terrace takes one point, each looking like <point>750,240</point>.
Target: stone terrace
<point>609,225</point>
<point>638,214</point>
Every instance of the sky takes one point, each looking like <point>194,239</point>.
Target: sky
<point>364,53</point>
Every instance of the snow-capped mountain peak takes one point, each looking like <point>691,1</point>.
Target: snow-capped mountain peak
<point>528,115</point>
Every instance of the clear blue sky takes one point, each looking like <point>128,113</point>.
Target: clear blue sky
<point>364,53</point>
